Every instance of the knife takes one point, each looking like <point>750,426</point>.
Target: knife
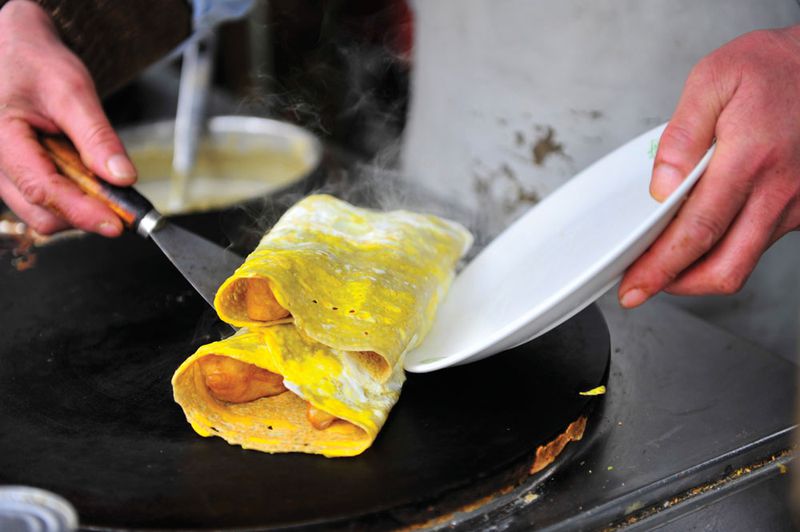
<point>204,264</point>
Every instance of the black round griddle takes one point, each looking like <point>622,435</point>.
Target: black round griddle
<point>93,332</point>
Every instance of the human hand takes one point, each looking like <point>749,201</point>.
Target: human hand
<point>45,87</point>
<point>745,95</point>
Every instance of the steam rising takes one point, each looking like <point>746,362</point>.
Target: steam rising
<point>352,91</point>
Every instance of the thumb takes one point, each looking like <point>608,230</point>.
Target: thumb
<point>690,131</point>
<point>82,118</point>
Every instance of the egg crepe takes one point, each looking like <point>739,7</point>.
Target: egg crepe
<point>350,278</point>
<point>331,300</point>
<point>328,379</point>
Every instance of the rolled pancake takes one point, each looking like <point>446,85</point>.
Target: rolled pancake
<point>332,298</point>
<point>330,380</point>
<point>353,279</point>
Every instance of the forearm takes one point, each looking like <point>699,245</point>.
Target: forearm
<point>117,40</point>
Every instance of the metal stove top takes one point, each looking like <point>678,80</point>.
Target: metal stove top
<point>692,415</point>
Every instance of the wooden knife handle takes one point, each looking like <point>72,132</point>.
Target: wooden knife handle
<point>126,202</point>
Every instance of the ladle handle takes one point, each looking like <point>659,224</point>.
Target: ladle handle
<point>126,202</point>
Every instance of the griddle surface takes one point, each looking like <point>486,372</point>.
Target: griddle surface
<point>93,333</point>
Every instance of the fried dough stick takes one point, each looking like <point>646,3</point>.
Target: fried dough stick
<point>319,419</point>
<point>260,302</point>
<point>230,380</point>
<point>234,381</point>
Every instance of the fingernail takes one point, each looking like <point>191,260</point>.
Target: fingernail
<point>666,178</point>
<point>108,229</point>
<point>633,298</point>
<point>120,167</point>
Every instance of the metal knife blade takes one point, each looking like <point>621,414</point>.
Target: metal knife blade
<point>204,264</point>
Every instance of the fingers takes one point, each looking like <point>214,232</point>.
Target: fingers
<point>37,218</point>
<point>25,164</point>
<point>80,115</point>
<point>701,222</point>
<point>725,269</point>
<point>690,131</point>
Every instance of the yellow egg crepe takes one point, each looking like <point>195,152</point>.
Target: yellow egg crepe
<point>330,380</point>
<point>332,299</point>
<point>353,279</point>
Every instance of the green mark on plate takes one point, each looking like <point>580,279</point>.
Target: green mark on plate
<point>653,149</point>
<point>430,360</point>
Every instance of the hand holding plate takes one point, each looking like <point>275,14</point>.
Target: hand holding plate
<point>744,95</point>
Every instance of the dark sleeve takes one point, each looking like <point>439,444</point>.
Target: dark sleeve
<point>117,39</point>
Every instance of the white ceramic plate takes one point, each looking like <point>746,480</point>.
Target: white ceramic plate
<point>554,261</point>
